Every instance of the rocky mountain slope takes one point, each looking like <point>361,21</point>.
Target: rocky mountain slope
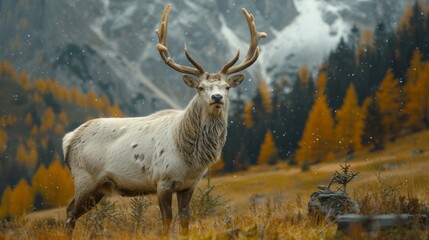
<point>109,45</point>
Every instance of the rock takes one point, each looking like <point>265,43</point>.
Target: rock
<point>328,205</point>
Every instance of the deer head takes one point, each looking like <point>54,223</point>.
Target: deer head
<point>212,88</point>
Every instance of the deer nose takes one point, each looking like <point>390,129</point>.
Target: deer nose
<point>217,97</point>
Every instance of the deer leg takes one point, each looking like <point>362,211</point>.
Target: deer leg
<point>79,206</point>
<point>165,195</point>
<point>183,200</point>
<point>86,197</point>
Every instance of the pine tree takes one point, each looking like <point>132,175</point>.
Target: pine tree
<point>268,151</point>
<point>373,134</point>
<point>389,102</point>
<point>342,71</point>
<point>318,136</point>
<point>349,125</point>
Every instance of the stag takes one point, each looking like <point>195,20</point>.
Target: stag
<point>166,152</point>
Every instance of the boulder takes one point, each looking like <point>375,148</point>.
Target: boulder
<point>328,205</point>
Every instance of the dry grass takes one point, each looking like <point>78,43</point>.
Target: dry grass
<point>262,203</point>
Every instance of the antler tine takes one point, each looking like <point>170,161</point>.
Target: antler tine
<point>231,63</point>
<point>252,52</point>
<point>191,60</point>
<point>163,50</point>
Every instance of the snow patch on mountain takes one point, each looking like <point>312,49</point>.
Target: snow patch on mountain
<point>306,41</point>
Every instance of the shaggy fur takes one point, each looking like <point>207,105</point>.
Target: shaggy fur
<point>166,152</point>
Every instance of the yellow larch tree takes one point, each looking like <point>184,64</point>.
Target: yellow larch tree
<point>40,180</point>
<point>349,127</point>
<point>389,99</point>
<point>34,131</point>
<point>3,140</point>
<point>321,81</point>
<point>5,202</point>
<point>63,118</point>
<point>415,68</point>
<point>417,105</point>
<point>265,96</point>
<point>59,189</point>
<point>318,136</point>
<point>25,81</point>
<point>27,158</point>
<point>268,151</point>
<point>59,129</point>
<point>115,111</point>
<point>21,199</point>
<point>29,119</point>
<point>248,117</point>
<point>40,86</point>
<point>48,120</point>
<point>304,75</point>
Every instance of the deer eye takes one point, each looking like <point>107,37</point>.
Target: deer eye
<point>200,89</point>
<point>227,88</point>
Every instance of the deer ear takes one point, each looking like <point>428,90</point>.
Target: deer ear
<point>190,81</point>
<point>235,80</point>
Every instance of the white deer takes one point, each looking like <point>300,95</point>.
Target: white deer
<point>166,152</point>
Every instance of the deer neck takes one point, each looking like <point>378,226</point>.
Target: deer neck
<point>201,136</point>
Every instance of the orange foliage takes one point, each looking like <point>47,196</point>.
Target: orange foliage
<point>28,119</point>
<point>322,79</point>
<point>3,140</point>
<point>389,101</point>
<point>350,123</point>
<point>37,98</point>
<point>59,129</point>
<point>62,117</point>
<point>218,166</point>
<point>366,38</point>
<point>55,184</point>
<point>318,136</point>
<point>40,179</point>
<point>21,199</point>
<point>34,131</point>
<point>417,105</point>
<point>265,96</point>
<point>5,202</point>
<point>248,119</point>
<point>40,86</point>
<point>268,151</point>
<point>27,158</point>
<point>48,120</point>
<point>304,75</point>
<point>114,111</point>
<point>25,81</point>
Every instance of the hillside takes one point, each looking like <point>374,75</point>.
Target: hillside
<point>34,116</point>
<point>399,170</point>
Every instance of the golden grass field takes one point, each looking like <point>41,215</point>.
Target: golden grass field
<point>394,180</point>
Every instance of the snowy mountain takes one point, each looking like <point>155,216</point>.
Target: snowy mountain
<point>109,45</point>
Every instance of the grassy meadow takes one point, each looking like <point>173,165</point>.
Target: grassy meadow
<point>265,202</point>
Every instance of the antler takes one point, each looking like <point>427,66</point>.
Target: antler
<point>252,53</point>
<point>163,50</point>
